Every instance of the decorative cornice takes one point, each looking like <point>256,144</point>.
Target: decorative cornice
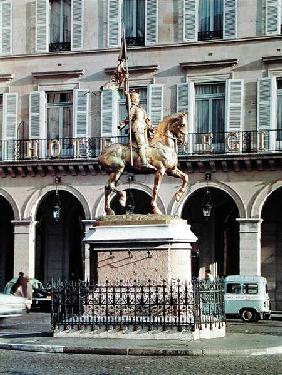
<point>208,64</point>
<point>6,77</point>
<point>271,59</point>
<point>58,74</point>
<point>136,69</point>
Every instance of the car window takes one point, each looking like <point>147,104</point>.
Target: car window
<point>233,288</point>
<point>250,288</point>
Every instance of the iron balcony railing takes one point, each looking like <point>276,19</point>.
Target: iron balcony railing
<point>263,141</point>
<point>210,34</point>
<point>136,306</point>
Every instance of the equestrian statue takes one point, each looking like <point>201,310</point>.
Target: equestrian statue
<point>149,149</point>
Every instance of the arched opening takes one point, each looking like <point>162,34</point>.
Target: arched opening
<point>137,201</point>
<point>59,248</point>
<point>271,246</point>
<point>217,247</point>
<point>6,242</point>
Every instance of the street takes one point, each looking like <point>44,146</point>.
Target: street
<point>27,363</point>
<point>20,363</point>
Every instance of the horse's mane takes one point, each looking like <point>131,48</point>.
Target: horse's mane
<point>167,120</point>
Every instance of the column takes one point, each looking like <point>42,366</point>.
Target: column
<point>250,246</point>
<point>24,247</point>
<point>88,273</point>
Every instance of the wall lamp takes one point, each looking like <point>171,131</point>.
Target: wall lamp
<point>207,203</point>
<point>57,209</point>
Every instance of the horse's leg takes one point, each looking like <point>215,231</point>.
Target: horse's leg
<point>175,172</point>
<point>157,183</point>
<point>111,187</point>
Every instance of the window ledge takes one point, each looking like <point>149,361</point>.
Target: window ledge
<point>208,64</point>
<point>6,77</point>
<point>58,74</point>
<point>271,59</point>
<point>136,69</point>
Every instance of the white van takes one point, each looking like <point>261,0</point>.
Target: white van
<point>247,297</point>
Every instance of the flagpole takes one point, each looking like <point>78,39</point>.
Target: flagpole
<point>127,94</point>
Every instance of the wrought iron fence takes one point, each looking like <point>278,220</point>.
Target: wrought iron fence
<point>263,141</point>
<point>133,306</point>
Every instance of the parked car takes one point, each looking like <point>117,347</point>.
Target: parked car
<point>11,306</point>
<point>247,297</point>
<point>41,297</point>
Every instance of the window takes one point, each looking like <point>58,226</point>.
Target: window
<point>210,19</point>
<point>59,119</point>
<point>1,122</point>
<point>233,288</point>
<point>134,21</point>
<point>60,25</point>
<point>279,110</point>
<point>250,289</point>
<point>210,111</point>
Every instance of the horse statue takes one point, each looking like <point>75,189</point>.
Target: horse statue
<point>161,154</point>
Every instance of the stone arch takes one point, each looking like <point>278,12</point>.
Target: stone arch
<point>261,197</point>
<point>175,208</point>
<point>30,209</point>
<point>98,209</point>
<point>12,203</point>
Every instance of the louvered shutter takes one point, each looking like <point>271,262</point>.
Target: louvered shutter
<point>155,103</point>
<point>37,115</point>
<point>151,20</point>
<point>186,103</point>
<point>9,129</point>
<point>272,17</point>
<point>189,21</point>
<point>266,109</point>
<point>230,19</point>
<point>42,25</point>
<point>6,27</point>
<point>234,104</point>
<point>109,102</point>
<point>77,24</point>
<point>80,113</point>
<point>114,23</point>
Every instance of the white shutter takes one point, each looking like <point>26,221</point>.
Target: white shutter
<point>6,27</point>
<point>230,19</point>
<point>42,25</point>
<point>80,113</point>
<point>266,109</point>
<point>272,17</point>
<point>114,23</point>
<point>186,103</point>
<point>109,102</point>
<point>77,24</point>
<point>37,120</point>
<point>155,103</point>
<point>189,21</point>
<point>234,105</point>
<point>9,129</point>
<point>151,20</point>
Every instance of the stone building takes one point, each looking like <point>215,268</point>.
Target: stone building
<point>218,60</point>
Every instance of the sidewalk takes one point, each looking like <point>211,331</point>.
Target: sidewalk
<point>232,344</point>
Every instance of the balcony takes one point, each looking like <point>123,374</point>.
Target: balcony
<point>203,152</point>
<point>59,47</point>
<point>135,41</point>
<point>209,35</point>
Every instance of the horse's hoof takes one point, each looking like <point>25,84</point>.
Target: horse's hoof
<point>109,212</point>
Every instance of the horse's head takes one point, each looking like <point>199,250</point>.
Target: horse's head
<point>179,127</point>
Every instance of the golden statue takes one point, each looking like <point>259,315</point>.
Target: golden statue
<point>140,126</point>
<point>160,153</point>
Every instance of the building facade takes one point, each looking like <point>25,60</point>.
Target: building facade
<point>218,60</point>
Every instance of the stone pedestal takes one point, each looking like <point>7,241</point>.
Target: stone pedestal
<point>141,247</point>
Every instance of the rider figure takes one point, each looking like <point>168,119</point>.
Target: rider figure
<point>140,124</point>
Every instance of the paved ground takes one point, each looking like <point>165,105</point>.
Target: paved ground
<point>32,333</point>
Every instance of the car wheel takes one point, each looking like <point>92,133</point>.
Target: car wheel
<point>249,315</point>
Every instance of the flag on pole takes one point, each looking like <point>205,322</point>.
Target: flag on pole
<point>121,73</point>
